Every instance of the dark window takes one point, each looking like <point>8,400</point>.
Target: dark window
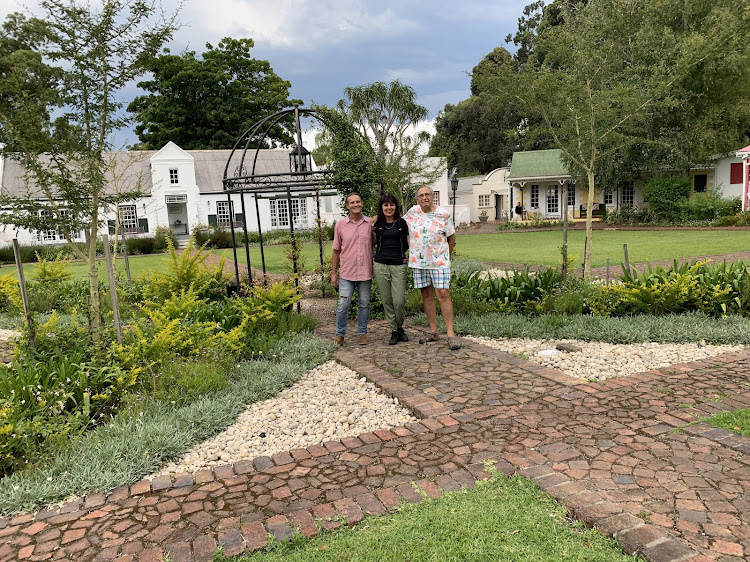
<point>699,182</point>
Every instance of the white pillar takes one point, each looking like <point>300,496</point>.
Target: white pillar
<point>745,171</point>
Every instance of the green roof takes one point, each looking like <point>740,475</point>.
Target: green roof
<point>538,164</point>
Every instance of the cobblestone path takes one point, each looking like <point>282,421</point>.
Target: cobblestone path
<point>608,450</point>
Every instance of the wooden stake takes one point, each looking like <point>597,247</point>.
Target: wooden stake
<point>24,294</point>
<point>125,257</point>
<point>607,271</point>
<point>112,287</point>
<point>627,262</point>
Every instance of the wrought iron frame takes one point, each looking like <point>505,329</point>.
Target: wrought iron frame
<point>304,181</point>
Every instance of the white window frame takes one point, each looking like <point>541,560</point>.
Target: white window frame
<point>223,213</point>
<point>534,198</point>
<point>46,235</point>
<point>571,195</point>
<point>436,198</point>
<point>484,200</point>
<point>128,217</point>
<point>628,194</point>
<point>553,200</point>
<point>609,197</point>
<point>174,177</point>
<point>280,214</point>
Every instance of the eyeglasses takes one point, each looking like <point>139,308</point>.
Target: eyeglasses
<point>423,195</point>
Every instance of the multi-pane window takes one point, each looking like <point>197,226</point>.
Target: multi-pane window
<point>553,199</point>
<point>534,196</point>
<point>223,213</point>
<point>280,212</point>
<point>128,218</point>
<point>436,198</point>
<point>484,200</point>
<point>609,197</point>
<point>571,195</point>
<point>46,235</point>
<point>628,194</point>
<point>173,177</point>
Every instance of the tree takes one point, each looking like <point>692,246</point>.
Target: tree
<point>58,117</point>
<point>208,102</point>
<point>387,115</point>
<point>595,79</point>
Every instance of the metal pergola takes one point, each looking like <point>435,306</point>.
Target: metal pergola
<point>242,175</point>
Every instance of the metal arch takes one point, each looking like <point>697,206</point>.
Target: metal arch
<point>300,181</point>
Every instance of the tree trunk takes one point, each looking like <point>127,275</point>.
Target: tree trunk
<point>95,320</point>
<point>589,225</point>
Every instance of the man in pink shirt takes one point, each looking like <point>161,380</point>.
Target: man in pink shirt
<point>352,250</point>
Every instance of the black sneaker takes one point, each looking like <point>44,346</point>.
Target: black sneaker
<point>394,338</point>
<point>402,335</point>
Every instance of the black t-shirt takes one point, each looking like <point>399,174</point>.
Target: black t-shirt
<point>390,251</point>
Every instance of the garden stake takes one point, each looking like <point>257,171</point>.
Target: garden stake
<point>125,257</point>
<point>112,288</point>
<point>24,294</point>
<point>627,263</point>
<point>607,271</point>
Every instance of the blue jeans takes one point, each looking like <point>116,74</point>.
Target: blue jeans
<point>346,290</point>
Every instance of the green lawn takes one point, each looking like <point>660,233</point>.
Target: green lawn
<point>139,266</point>
<point>275,256</point>
<point>543,247</point>
<point>499,520</point>
<point>524,247</point>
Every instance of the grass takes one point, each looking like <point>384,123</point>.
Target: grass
<point>500,519</point>
<point>140,439</point>
<point>275,256</point>
<point>543,247</point>
<point>683,328</point>
<point>139,266</point>
<point>737,421</point>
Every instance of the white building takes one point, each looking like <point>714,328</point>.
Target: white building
<point>183,189</point>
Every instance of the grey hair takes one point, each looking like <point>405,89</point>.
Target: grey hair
<point>432,191</point>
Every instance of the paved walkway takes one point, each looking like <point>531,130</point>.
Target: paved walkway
<point>607,450</point>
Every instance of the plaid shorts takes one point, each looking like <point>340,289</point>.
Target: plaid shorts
<point>439,278</point>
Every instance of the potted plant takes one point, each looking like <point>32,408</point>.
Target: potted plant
<point>483,216</point>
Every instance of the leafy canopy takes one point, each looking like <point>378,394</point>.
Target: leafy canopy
<point>207,102</point>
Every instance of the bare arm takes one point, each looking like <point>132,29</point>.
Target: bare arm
<point>335,258</point>
<point>451,243</point>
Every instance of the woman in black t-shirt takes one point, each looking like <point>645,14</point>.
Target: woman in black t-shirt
<point>391,240</point>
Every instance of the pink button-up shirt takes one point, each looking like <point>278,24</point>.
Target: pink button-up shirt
<point>354,241</point>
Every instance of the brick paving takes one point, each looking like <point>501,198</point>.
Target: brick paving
<point>610,451</point>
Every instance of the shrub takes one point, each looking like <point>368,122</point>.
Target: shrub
<point>54,271</point>
<point>66,297</point>
<point>141,245</point>
<point>708,206</point>
<point>664,194</point>
<point>10,294</point>
<point>740,219</point>
<point>188,270</point>
<point>714,290</point>
<point>631,215</point>
<point>163,236</point>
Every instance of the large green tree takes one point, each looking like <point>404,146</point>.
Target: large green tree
<point>207,102</point>
<point>598,77</point>
<point>60,103</point>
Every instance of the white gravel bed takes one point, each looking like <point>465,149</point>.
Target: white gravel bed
<point>327,403</point>
<point>600,361</point>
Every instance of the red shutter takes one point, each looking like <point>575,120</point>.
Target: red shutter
<point>735,173</point>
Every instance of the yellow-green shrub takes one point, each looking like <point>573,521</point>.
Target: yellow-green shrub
<point>10,294</point>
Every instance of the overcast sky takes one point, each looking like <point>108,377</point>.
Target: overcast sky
<point>321,47</point>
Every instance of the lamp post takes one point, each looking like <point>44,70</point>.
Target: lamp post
<point>454,186</point>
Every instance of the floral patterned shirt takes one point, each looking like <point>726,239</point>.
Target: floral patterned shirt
<point>428,238</point>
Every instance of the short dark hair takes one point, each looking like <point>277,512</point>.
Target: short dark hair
<point>346,199</point>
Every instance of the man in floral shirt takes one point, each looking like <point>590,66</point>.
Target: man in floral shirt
<point>431,240</point>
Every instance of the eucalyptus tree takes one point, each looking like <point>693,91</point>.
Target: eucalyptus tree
<point>61,107</point>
